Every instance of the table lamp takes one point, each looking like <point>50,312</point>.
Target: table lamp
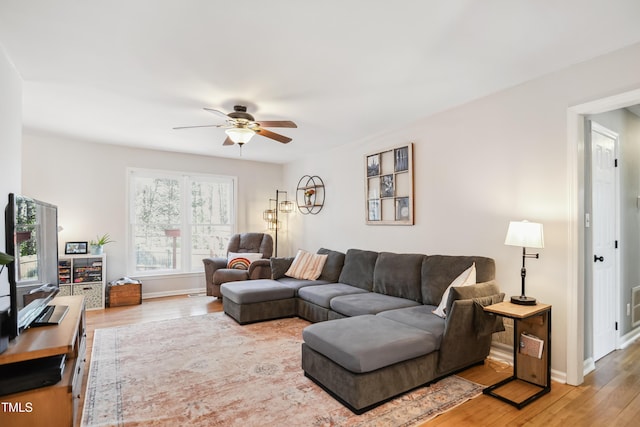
<point>528,235</point>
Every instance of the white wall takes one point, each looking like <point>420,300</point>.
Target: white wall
<point>503,157</point>
<point>87,181</point>
<point>10,135</point>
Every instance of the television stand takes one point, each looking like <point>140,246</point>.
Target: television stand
<point>51,315</point>
<point>57,404</point>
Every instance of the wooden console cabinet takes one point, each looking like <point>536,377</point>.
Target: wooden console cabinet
<point>55,405</point>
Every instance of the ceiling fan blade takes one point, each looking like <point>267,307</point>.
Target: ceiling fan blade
<point>217,112</point>
<point>228,141</point>
<point>273,135</point>
<point>199,126</point>
<point>277,124</point>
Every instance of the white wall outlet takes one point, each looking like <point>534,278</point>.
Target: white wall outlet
<point>628,309</point>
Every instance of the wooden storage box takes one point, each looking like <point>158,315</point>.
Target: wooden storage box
<point>124,294</point>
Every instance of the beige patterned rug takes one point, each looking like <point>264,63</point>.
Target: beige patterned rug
<point>209,371</point>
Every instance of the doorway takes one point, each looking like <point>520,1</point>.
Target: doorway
<point>579,315</point>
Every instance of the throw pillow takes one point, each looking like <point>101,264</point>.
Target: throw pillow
<point>467,277</point>
<point>306,266</point>
<point>279,266</point>
<point>241,261</point>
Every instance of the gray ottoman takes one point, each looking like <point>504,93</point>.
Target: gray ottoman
<point>250,301</point>
<point>365,360</point>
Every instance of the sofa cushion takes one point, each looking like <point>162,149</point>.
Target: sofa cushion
<point>323,294</point>
<point>279,266</point>
<point>478,290</point>
<point>297,284</point>
<point>306,265</point>
<point>466,278</point>
<point>420,317</point>
<point>398,275</point>
<point>438,271</point>
<point>333,266</point>
<point>369,303</point>
<point>253,291</point>
<point>358,268</point>
<point>366,343</point>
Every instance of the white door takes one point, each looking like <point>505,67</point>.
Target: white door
<point>604,230</point>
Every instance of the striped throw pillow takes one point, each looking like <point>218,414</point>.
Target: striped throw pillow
<point>306,266</point>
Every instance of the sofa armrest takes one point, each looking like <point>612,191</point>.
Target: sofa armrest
<point>260,269</point>
<point>210,267</point>
<point>461,345</point>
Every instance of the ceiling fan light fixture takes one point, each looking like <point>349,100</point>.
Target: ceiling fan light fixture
<point>240,135</point>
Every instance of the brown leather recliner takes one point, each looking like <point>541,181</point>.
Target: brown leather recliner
<point>217,273</point>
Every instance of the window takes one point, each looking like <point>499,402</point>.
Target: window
<point>176,219</point>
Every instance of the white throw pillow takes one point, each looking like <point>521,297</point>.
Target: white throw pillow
<point>241,261</point>
<point>467,277</point>
<point>306,266</point>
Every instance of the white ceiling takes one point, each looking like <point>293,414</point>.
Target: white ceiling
<point>127,71</point>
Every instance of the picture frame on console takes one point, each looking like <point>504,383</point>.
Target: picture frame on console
<point>389,186</point>
<point>75,248</point>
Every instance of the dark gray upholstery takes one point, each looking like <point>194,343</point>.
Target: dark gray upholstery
<point>358,268</point>
<point>260,290</point>
<point>322,295</point>
<point>401,290</point>
<point>279,266</point>
<point>366,343</point>
<point>471,291</point>
<point>399,275</point>
<point>438,271</point>
<point>368,303</point>
<point>332,266</point>
<point>216,271</point>
<point>486,323</point>
<point>259,311</point>
<point>297,284</point>
<point>420,317</point>
<point>361,392</point>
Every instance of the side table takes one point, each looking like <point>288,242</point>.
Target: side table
<point>534,320</point>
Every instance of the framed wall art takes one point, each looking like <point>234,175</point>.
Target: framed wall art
<point>389,186</point>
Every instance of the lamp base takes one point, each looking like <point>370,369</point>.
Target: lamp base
<point>522,300</point>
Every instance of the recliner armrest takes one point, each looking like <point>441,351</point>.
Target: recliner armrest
<point>210,267</point>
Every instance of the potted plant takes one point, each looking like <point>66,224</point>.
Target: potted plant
<point>96,246</point>
<point>307,195</point>
<point>5,259</point>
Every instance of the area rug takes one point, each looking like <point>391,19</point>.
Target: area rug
<point>209,371</point>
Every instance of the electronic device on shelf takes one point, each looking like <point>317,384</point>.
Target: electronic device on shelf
<point>30,374</point>
<point>31,229</point>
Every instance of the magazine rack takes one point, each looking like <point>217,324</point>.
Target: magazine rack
<point>531,350</point>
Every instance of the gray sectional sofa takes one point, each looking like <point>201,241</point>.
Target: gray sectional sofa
<point>374,334</point>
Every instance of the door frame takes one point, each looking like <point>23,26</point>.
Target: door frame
<point>575,219</point>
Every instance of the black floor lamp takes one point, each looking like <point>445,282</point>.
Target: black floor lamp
<point>271,215</point>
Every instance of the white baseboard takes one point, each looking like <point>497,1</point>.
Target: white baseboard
<point>150,295</point>
<point>628,339</point>
<point>504,353</point>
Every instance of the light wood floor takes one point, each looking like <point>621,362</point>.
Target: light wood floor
<point>609,396</point>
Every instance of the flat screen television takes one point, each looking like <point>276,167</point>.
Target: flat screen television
<point>31,228</point>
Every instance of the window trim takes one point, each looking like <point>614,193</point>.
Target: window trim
<point>184,178</point>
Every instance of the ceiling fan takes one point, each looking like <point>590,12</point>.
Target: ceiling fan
<point>241,126</point>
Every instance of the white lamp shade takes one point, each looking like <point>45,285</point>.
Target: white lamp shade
<point>240,135</point>
<point>525,234</point>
